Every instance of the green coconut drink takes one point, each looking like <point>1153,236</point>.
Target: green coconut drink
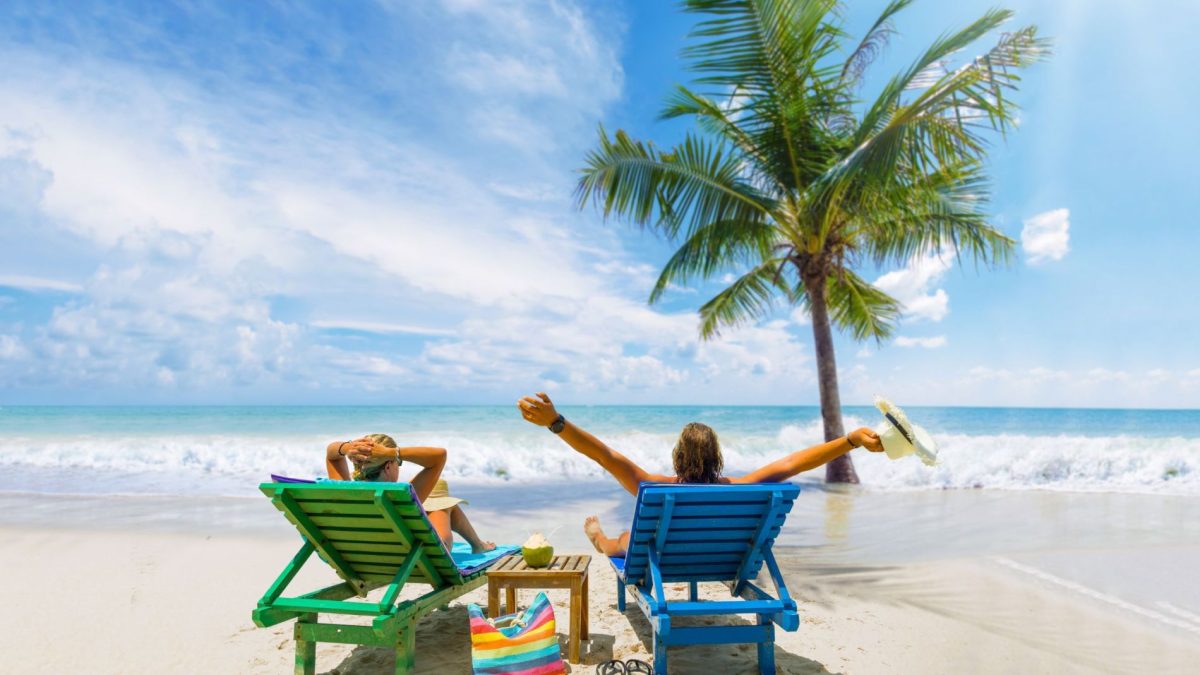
<point>537,551</point>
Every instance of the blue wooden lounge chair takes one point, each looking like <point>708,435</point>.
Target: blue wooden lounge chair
<point>373,535</point>
<point>697,533</point>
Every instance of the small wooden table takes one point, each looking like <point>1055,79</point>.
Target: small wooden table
<point>564,571</point>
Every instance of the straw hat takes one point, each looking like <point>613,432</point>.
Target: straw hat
<point>440,498</point>
<point>901,437</point>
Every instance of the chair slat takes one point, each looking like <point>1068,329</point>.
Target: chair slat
<point>709,523</point>
<point>700,535</point>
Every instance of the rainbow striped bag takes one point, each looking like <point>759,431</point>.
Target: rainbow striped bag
<point>516,644</point>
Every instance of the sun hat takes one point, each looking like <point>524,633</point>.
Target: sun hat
<point>901,437</point>
<point>440,498</point>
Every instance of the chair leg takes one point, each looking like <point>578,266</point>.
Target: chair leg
<point>406,647</point>
<point>766,649</point>
<point>620,595</point>
<point>306,650</point>
<point>662,626</point>
<point>693,592</point>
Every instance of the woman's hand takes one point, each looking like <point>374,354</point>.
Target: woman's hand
<point>364,450</point>
<point>540,412</point>
<point>865,438</point>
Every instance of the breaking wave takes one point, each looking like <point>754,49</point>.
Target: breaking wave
<point>1117,463</point>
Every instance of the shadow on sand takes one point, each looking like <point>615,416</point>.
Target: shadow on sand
<point>732,659</point>
<point>448,629</point>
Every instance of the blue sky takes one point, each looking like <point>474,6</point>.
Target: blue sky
<point>371,202</point>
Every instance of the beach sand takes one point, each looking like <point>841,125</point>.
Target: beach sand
<point>160,589</point>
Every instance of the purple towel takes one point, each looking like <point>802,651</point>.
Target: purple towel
<point>285,479</point>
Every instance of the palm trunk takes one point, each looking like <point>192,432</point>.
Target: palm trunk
<point>840,470</point>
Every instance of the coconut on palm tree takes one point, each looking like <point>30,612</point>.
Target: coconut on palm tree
<point>792,180</point>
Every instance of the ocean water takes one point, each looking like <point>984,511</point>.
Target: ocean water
<point>228,450</point>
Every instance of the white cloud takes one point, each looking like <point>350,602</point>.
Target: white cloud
<point>1041,374</point>
<point>204,217</point>
<point>11,347</point>
<point>515,57</point>
<point>1105,375</point>
<point>800,316</point>
<point>926,342</point>
<point>544,192</point>
<point>1045,236</point>
<point>377,327</point>
<point>29,283</point>
<point>912,286</point>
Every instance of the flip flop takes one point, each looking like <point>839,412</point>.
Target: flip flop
<point>611,668</point>
<point>634,666</point>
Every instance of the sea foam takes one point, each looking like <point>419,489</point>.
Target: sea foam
<point>1118,463</point>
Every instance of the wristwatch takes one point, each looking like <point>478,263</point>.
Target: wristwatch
<point>557,425</point>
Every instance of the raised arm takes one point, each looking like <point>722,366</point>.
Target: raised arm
<point>339,454</point>
<point>540,411</point>
<point>810,458</point>
<point>431,461</point>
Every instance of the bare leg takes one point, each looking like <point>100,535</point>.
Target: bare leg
<point>611,547</point>
<point>441,523</point>
<point>462,525</point>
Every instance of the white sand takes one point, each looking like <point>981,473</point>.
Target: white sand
<point>151,602</point>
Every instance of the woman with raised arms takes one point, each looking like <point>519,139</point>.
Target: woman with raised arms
<point>696,458</point>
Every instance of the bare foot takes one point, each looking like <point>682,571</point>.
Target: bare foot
<point>591,527</point>
<point>483,547</point>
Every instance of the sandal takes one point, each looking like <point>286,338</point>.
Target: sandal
<point>611,668</point>
<point>634,666</point>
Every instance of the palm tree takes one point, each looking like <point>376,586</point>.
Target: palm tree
<point>793,180</point>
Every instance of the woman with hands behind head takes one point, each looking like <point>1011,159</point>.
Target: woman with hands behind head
<point>376,458</point>
<point>696,459</point>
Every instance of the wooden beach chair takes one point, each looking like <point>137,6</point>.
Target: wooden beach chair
<point>695,533</point>
<point>373,535</point>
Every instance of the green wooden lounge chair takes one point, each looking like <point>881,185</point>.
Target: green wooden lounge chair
<point>373,535</point>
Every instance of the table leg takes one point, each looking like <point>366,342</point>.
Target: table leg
<point>493,598</point>
<point>510,600</point>
<point>583,634</point>
<point>576,622</point>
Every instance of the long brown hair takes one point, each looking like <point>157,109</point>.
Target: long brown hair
<point>697,454</point>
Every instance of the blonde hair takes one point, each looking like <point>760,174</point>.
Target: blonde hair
<point>697,455</point>
<point>371,470</point>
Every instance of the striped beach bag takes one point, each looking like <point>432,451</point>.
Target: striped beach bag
<point>517,644</point>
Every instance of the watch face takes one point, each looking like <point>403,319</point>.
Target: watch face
<point>557,425</point>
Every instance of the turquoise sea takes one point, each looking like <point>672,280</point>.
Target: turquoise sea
<point>227,450</point>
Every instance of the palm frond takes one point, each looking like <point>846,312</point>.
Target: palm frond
<point>945,208</point>
<point>747,298</point>
<point>696,183</point>
<point>773,52</point>
<point>873,43</point>
<point>715,247</point>
<point>860,308</point>
<point>941,126</point>
<point>721,121</point>
<point>933,57</point>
